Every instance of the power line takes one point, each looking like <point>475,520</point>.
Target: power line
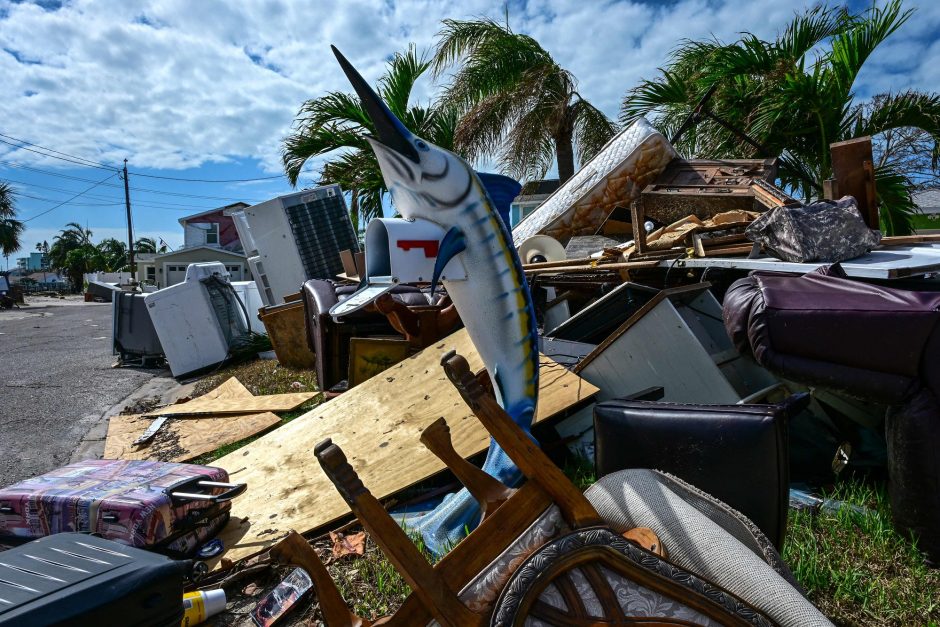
<point>74,204</point>
<point>96,164</point>
<point>145,190</point>
<point>173,178</point>
<point>70,199</point>
<point>75,161</point>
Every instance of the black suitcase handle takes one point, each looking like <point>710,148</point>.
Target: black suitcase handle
<point>234,489</point>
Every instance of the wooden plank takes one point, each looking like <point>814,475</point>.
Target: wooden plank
<point>852,175</point>
<point>627,265</point>
<point>181,439</point>
<point>378,424</point>
<point>242,405</point>
<point>231,388</point>
<point>907,240</point>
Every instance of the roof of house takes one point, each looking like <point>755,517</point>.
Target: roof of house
<point>544,186</point>
<point>234,205</point>
<point>214,249</point>
<point>144,257</point>
<point>928,200</point>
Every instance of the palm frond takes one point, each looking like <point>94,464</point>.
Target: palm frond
<point>396,85</point>
<point>852,47</point>
<point>592,129</point>
<point>896,205</point>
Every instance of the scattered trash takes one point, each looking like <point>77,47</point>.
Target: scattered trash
<point>285,596</point>
<point>801,499</point>
<point>200,605</point>
<point>343,545</point>
<point>210,549</point>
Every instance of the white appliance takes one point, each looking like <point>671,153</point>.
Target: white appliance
<point>293,238</point>
<point>247,292</point>
<point>198,321</point>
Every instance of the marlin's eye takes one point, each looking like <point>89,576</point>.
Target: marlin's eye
<point>421,146</point>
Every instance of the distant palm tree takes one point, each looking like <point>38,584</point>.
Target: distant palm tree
<point>516,102</point>
<point>11,229</point>
<point>113,253</point>
<point>145,245</point>
<point>794,95</point>
<point>337,122</point>
<point>72,237</point>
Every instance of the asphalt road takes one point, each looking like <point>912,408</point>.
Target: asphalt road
<point>56,381</point>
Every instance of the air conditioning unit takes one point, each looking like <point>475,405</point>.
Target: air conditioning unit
<point>296,237</point>
<point>250,297</point>
<point>199,321</point>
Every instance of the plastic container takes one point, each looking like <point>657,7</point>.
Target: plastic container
<point>198,606</point>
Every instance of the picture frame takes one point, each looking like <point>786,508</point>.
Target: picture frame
<point>369,356</point>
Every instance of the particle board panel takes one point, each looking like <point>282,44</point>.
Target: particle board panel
<point>231,388</point>
<point>377,424</point>
<point>181,439</point>
<point>237,405</point>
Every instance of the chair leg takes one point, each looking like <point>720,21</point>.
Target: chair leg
<point>530,459</point>
<point>427,585</point>
<point>487,490</point>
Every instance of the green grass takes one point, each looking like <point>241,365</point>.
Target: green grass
<point>857,568</point>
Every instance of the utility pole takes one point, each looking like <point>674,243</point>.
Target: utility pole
<point>130,228</point>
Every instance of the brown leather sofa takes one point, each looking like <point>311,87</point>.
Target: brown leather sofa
<point>874,343</point>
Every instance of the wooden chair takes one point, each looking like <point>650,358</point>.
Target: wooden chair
<point>546,528</point>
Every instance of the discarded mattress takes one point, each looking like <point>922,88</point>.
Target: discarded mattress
<point>614,177</point>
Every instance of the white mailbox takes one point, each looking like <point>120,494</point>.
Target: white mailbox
<point>399,251</point>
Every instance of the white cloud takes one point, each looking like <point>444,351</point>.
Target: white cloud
<point>177,83</point>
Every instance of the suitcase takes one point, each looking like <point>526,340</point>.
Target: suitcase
<point>171,508</point>
<point>74,579</point>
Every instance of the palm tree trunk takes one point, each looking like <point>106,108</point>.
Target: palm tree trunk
<point>564,153</point>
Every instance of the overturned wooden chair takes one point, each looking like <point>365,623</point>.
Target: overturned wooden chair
<point>543,555</point>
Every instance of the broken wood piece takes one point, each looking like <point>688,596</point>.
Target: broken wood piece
<point>391,410</point>
<point>295,550</point>
<point>907,240</point>
<point>427,585</point>
<point>530,459</point>
<point>629,265</point>
<point>245,405</point>
<point>852,168</point>
<point>647,539</point>
<point>728,251</point>
<point>770,195</point>
<point>181,439</point>
<point>489,492</point>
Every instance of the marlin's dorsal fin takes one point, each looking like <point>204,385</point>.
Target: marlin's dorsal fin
<point>452,245</point>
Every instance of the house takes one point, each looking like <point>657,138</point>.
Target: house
<point>35,261</point>
<point>207,236</point>
<point>532,195</point>
<point>928,204</point>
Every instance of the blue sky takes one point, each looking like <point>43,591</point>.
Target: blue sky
<point>207,89</point>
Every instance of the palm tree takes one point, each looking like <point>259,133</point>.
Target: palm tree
<point>145,245</point>
<point>113,253</point>
<point>73,236</point>
<point>11,229</point>
<point>516,102</point>
<point>337,122</point>
<point>794,95</point>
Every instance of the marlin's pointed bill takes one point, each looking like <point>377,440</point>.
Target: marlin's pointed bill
<point>389,130</point>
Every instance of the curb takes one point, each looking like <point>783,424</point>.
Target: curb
<point>162,386</point>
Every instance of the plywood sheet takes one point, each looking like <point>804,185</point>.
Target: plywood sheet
<point>377,424</point>
<point>231,388</point>
<point>181,439</point>
<point>238,405</point>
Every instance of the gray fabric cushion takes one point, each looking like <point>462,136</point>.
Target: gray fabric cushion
<point>732,559</point>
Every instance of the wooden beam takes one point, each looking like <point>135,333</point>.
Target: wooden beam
<point>854,178</point>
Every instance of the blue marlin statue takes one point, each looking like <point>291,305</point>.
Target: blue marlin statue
<point>494,303</point>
